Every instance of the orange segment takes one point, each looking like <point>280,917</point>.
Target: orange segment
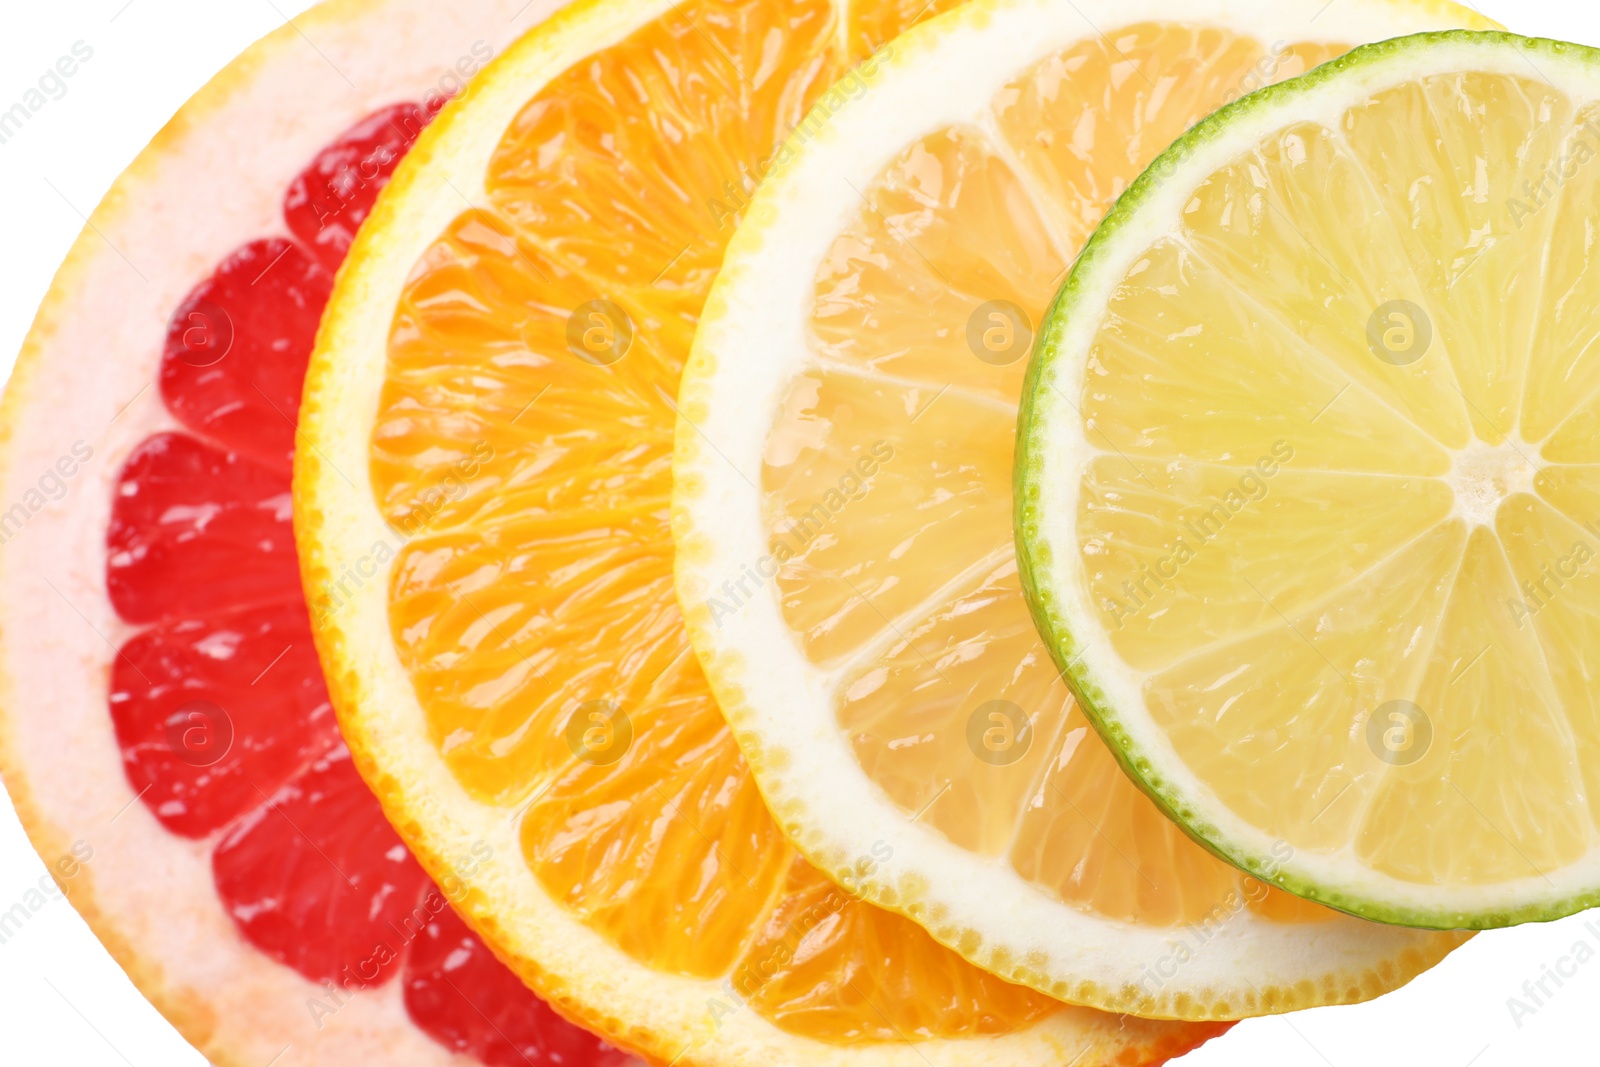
<point>874,26</point>
<point>485,435</point>
<point>676,809</point>
<point>925,990</point>
<point>634,164</point>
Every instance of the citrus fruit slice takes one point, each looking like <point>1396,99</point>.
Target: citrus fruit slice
<point>1383,606</point>
<point>482,506</point>
<point>845,555</point>
<point>168,741</point>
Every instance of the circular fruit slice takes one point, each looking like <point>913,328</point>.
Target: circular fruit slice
<point>168,740</point>
<point>483,512</point>
<point>1356,506</point>
<point>845,554</point>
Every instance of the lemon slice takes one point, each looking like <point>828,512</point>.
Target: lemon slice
<point>1370,296</point>
<point>843,509</point>
<point>483,510</point>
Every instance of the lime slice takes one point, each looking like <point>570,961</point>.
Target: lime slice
<point>1309,481</point>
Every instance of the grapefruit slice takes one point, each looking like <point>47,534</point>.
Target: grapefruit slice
<point>482,498</point>
<point>1418,673</point>
<point>845,555</point>
<point>167,737</point>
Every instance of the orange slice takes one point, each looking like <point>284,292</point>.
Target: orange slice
<point>482,501</point>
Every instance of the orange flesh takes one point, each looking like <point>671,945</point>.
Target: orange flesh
<point>887,475</point>
<point>538,577</point>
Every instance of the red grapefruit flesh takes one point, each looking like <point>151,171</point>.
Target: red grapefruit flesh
<point>219,705</point>
<point>468,1001</point>
<point>196,767</point>
<point>229,370</point>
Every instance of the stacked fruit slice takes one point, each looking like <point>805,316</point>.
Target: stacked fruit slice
<point>482,510</point>
<point>498,460</point>
<point>237,866</point>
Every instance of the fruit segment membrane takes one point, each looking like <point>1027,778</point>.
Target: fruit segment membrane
<point>887,475</point>
<point>218,700</point>
<point>524,445</point>
<point>1366,578</point>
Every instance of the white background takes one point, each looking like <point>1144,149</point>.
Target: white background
<point>62,999</point>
